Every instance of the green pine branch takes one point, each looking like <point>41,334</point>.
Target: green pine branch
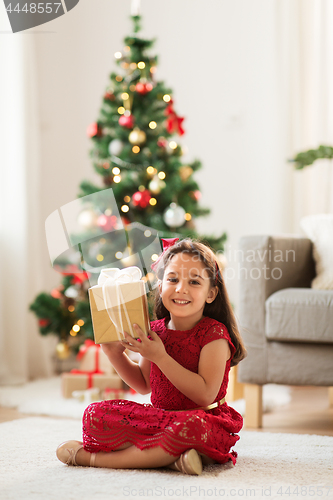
<point>306,158</point>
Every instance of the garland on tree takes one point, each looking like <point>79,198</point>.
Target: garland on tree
<point>138,153</point>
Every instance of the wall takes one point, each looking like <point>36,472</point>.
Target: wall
<point>221,58</point>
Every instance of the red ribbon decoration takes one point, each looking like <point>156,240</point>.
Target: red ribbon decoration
<point>84,348</point>
<point>173,122</point>
<point>90,375</point>
<point>166,243</point>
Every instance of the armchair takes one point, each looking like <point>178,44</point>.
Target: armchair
<point>287,326</point>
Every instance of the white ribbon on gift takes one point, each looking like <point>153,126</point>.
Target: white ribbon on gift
<point>110,280</point>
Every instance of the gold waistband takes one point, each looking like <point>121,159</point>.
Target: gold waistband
<point>209,407</point>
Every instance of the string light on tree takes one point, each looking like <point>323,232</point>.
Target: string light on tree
<point>151,170</point>
<point>62,350</point>
<point>87,218</point>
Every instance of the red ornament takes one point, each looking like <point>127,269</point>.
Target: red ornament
<point>126,121</point>
<point>43,322</point>
<point>162,142</point>
<point>141,198</point>
<point>94,130</point>
<point>143,88</point>
<point>196,195</point>
<point>107,222</point>
<point>109,96</point>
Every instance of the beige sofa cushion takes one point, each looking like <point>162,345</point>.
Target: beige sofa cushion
<point>300,315</point>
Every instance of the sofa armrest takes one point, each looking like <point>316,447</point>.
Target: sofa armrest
<point>267,264</point>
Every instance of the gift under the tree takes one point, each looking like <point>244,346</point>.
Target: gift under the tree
<point>77,380</point>
<point>117,302</point>
<point>110,393</point>
<point>92,358</point>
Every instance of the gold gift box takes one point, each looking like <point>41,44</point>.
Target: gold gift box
<point>134,303</point>
<point>80,382</point>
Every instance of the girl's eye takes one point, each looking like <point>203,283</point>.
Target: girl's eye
<point>172,280</point>
<point>195,282</point>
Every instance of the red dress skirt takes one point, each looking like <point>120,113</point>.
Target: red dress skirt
<point>108,425</point>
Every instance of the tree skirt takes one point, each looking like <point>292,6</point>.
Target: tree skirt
<point>43,397</point>
<point>275,466</point>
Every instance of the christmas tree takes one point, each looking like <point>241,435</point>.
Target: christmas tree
<point>147,192</point>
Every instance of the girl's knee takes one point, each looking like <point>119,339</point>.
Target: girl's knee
<point>90,411</point>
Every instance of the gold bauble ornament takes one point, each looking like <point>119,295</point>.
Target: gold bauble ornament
<point>62,350</point>
<point>185,172</point>
<point>137,137</point>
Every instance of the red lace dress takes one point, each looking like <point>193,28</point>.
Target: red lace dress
<point>107,425</point>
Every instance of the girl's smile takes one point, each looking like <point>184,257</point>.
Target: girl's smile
<point>185,289</point>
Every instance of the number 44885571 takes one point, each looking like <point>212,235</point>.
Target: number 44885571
<point>35,8</point>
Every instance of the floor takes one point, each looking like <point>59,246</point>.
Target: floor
<point>307,413</point>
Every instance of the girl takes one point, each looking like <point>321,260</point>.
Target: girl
<point>184,363</point>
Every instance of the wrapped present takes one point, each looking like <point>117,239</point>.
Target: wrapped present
<point>93,359</point>
<point>88,396</point>
<point>117,302</point>
<point>77,380</point>
<point>110,393</point>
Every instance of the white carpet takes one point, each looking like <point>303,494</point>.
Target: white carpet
<point>269,465</point>
<point>43,397</point>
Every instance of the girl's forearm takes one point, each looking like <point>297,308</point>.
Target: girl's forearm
<point>191,384</point>
<point>130,372</point>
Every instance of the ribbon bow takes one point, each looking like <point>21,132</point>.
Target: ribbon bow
<point>166,243</point>
<point>84,348</point>
<point>114,275</point>
<point>174,123</point>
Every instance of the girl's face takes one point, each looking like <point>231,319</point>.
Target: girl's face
<point>186,288</point>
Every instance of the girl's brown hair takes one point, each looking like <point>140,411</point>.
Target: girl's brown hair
<point>220,309</point>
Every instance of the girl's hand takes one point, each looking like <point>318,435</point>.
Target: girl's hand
<point>151,349</point>
<point>113,349</point>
